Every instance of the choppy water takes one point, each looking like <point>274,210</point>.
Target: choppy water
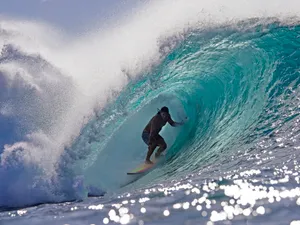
<point>235,161</point>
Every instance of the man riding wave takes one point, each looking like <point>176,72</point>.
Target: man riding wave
<point>151,135</point>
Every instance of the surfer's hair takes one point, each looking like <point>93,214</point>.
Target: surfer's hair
<point>164,109</point>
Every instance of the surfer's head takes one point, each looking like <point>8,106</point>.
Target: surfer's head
<point>164,112</point>
<point>164,109</point>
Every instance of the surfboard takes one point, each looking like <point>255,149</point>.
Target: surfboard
<point>144,167</point>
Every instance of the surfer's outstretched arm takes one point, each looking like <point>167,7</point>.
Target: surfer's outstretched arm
<point>175,124</point>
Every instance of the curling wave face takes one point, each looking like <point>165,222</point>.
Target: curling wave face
<point>237,82</point>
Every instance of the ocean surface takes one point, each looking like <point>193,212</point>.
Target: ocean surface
<point>72,111</point>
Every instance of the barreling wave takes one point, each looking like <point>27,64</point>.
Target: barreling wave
<point>69,134</point>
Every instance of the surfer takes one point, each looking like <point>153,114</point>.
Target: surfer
<point>151,135</point>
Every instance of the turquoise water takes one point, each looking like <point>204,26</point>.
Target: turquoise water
<point>237,88</point>
<point>235,161</point>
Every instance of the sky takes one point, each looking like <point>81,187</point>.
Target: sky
<point>70,15</point>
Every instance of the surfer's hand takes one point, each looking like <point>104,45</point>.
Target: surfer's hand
<point>182,122</point>
<point>185,120</point>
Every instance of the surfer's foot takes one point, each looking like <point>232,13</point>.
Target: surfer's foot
<point>147,161</point>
